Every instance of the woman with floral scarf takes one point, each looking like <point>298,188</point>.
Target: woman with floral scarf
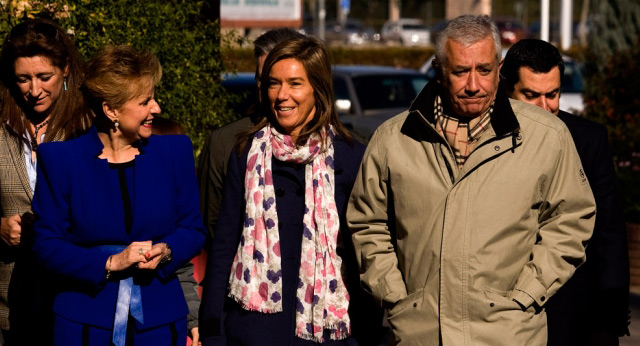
<point>276,272</point>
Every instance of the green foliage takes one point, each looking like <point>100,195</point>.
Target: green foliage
<point>616,28</point>
<point>177,31</point>
<point>612,89</point>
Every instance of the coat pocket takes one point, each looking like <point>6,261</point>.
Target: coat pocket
<point>412,300</point>
<point>496,301</point>
<point>405,314</point>
<point>495,313</point>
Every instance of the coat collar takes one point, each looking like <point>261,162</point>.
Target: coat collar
<point>503,120</point>
<point>94,145</point>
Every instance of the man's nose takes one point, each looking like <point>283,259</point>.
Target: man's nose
<point>542,103</point>
<point>472,84</point>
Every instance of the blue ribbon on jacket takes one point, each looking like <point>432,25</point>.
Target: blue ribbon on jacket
<point>129,302</point>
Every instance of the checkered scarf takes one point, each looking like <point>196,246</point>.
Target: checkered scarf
<point>461,133</point>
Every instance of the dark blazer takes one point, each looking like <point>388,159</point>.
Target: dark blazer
<point>595,299</point>
<point>212,168</point>
<point>222,320</point>
<point>78,207</point>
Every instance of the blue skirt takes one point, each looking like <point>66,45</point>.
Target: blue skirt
<point>70,333</point>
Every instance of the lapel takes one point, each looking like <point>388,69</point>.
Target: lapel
<point>144,181</point>
<point>16,151</point>
<point>503,136</point>
<point>107,189</point>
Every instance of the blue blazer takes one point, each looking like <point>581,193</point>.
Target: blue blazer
<point>224,322</point>
<point>78,207</point>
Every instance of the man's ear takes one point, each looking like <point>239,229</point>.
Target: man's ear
<point>438,68</point>
<point>109,111</point>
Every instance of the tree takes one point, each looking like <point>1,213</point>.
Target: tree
<point>612,89</point>
<point>177,31</point>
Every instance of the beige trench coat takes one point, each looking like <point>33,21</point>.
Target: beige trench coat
<point>458,253</point>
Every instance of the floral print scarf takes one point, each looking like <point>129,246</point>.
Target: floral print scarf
<point>255,281</point>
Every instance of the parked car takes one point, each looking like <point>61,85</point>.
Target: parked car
<point>407,32</point>
<point>511,31</point>
<point>572,82</point>
<point>353,32</point>
<point>366,96</point>
<point>572,87</point>
<point>243,85</point>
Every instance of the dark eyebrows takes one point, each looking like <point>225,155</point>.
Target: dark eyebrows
<point>553,92</point>
<point>39,75</point>
<point>537,93</point>
<point>529,91</point>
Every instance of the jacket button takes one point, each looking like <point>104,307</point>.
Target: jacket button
<point>415,305</point>
<point>542,298</point>
<point>492,305</point>
<point>497,148</point>
<point>280,192</point>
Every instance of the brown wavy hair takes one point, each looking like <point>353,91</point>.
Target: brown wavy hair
<point>39,37</point>
<point>312,54</point>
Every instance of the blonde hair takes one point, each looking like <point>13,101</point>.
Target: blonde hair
<point>117,75</point>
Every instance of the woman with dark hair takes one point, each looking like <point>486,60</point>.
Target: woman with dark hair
<point>117,213</point>
<point>40,101</point>
<point>275,275</point>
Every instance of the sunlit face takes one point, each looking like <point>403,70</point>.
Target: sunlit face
<point>540,89</point>
<point>39,81</point>
<point>136,116</point>
<point>291,96</point>
<point>470,78</point>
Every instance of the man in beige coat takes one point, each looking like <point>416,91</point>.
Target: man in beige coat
<point>470,210</point>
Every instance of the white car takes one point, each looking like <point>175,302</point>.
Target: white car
<point>407,32</point>
<point>572,84</point>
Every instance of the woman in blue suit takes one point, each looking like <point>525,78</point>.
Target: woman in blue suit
<point>117,212</point>
<point>275,273</point>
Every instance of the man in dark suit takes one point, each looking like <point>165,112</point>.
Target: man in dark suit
<point>592,308</point>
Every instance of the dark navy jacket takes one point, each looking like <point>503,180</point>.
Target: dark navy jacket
<point>596,298</point>
<point>79,206</point>
<point>241,327</point>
